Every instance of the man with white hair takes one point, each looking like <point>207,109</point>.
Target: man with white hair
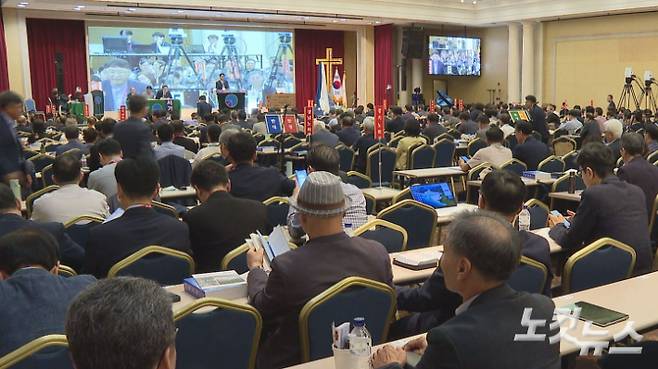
<point>364,142</point>
<point>322,135</point>
<point>612,131</point>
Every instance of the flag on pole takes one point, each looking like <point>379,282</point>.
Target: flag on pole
<point>308,120</point>
<point>321,95</point>
<point>336,88</point>
<point>290,124</point>
<point>343,91</point>
<point>379,122</point>
<point>122,113</point>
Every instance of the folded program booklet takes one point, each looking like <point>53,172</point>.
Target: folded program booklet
<point>227,285</point>
<point>419,260</point>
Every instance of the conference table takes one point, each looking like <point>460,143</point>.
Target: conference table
<point>564,196</point>
<point>428,173</point>
<point>527,181</point>
<point>632,296</point>
<point>175,193</point>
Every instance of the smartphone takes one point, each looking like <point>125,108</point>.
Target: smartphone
<point>464,158</point>
<point>556,213</point>
<point>599,315</point>
<point>300,175</point>
<point>566,223</point>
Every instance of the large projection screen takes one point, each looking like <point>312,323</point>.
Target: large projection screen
<point>189,60</point>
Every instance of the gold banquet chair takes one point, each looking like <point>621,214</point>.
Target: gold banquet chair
<point>161,264</point>
<point>44,352</point>
<point>200,344</point>
<point>349,298</point>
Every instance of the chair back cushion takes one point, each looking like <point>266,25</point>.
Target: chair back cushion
<point>418,223</point>
<point>528,278</point>
<point>388,165</point>
<point>390,238</point>
<point>604,266</point>
<point>164,269</point>
<point>445,151</point>
<point>422,157</point>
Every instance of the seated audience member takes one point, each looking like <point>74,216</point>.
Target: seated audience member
<point>89,136</point>
<point>637,170</point>
<point>159,118</point>
<point>329,256</point>
<point>411,138</point>
<point>483,125</point>
<point>222,222</point>
<point>504,192</point>
<point>466,125</point>
<point>326,159</point>
<point>552,116</point>
<point>321,135</point>
<point>203,108</point>
<point>651,138</point>
<point>612,133</point>
<point>608,207</point>
<point>213,148</point>
<point>34,298</point>
<point>249,180</point>
<point>11,219</point>
<point>38,131</point>
<point>103,179</point>
<point>134,134</point>
<point>72,134</point>
<point>506,125</point>
<point>572,124</point>
<point>105,129</point>
<point>481,252</point>
<point>529,150</point>
<point>167,147</point>
<point>396,123</point>
<point>433,129</point>
<point>242,121</point>
<point>364,143</point>
<point>591,132</point>
<point>139,226</point>
<point>106,321</point>
<point>495,154</point>
<point>259,125</point>
<point>180,139</point>
<point>348,134</point>
<point>69,200</point>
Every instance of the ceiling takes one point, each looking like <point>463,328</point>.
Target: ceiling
<point>334,14</point>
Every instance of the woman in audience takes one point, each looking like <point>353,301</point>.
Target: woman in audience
<point>38,131</point>
<point>411,138</point>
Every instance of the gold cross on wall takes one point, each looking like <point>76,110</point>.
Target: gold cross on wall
<point>328,62</point>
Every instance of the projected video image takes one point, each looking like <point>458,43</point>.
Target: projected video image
<point>454,56</point>
<point>189,61</point>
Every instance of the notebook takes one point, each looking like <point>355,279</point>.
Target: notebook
<point>436,195</point>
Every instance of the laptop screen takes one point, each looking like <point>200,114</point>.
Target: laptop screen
<point>436,195</point>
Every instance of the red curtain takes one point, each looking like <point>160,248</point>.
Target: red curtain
<point>311,45</point>
<point>4,75</point>
<point>383,63</point>
<point>46,38</point>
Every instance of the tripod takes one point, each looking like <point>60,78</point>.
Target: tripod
<point>175,53</point>
<point>647,98</point>
<point>627,93</point>
<point>278,62</point>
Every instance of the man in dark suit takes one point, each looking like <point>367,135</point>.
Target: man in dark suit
<point>433,129</point>
<point>612,131</point>
<point>538,117</point>
<point>249,180</point>
<point>139,226</point>
<point>329,256</point>
<point>321,135</point>
<point>396,124</point>
<point>528,149</point>
<point>159,43</point>
<point>608,207</point>
<point>34,298</point>
<point>348,134</point>
<point>73,136</point>
<point>242,121</point>
<point>466,125</point>
<point>11,219</point>
<point>118,84</point>
<point>489,321</point>
<point>12,163</point>
<point>222,222</point>
<point>364,143</point>
<point>203,108</point>
<point>133,134</point>
<point>222,83</point>
<point>164,93</point>
<point>637,170</point>
<point>180,139</point>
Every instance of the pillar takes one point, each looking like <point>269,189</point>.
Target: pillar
<point>513,63</point>
<point>417,73</point>
<point>365,61</point>
<point>528,60</point>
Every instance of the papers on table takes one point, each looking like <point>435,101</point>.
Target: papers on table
<point>227,285</point>
<point>419,260</point>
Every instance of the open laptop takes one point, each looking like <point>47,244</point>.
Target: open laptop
<point>436,195</point>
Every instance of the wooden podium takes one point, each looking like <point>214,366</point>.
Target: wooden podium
<point>230,100</point>
<point>278,101</point>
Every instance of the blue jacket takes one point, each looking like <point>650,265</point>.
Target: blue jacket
<point>71,254</point>
<point>11,152</point>
<point>74,144</point>
<point>34,304</point>
<point>348,136</point>
<point>531,152</point>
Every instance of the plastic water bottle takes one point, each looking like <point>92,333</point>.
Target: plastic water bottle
<point>360,339</point>
<point>524,219</point>
<point>83,161</point>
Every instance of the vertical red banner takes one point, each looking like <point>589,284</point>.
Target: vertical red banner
<point>308,120</point>
<point>432,106</point>
<point>379,122</point>
<point>49,109</point>
<point>290,124</point>
<point>86,111</point>
<point>461,104</point>
<point>309,103</point>
<point>122,113</point>
<point>385,104</point>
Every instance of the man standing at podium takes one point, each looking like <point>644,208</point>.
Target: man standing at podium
<point>222,83</point>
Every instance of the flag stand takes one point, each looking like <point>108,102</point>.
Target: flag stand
<point>380,167</point>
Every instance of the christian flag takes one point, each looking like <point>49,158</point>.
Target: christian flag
<point>321,95</point>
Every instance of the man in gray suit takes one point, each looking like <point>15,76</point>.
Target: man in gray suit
<point>480,253</point>
<point>297,276</point>
<point>33,297</point>
<point>103,179</point>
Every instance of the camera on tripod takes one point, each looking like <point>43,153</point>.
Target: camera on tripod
<point>229,39</point>
<point>285,38</point>
<point>176,36</point>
